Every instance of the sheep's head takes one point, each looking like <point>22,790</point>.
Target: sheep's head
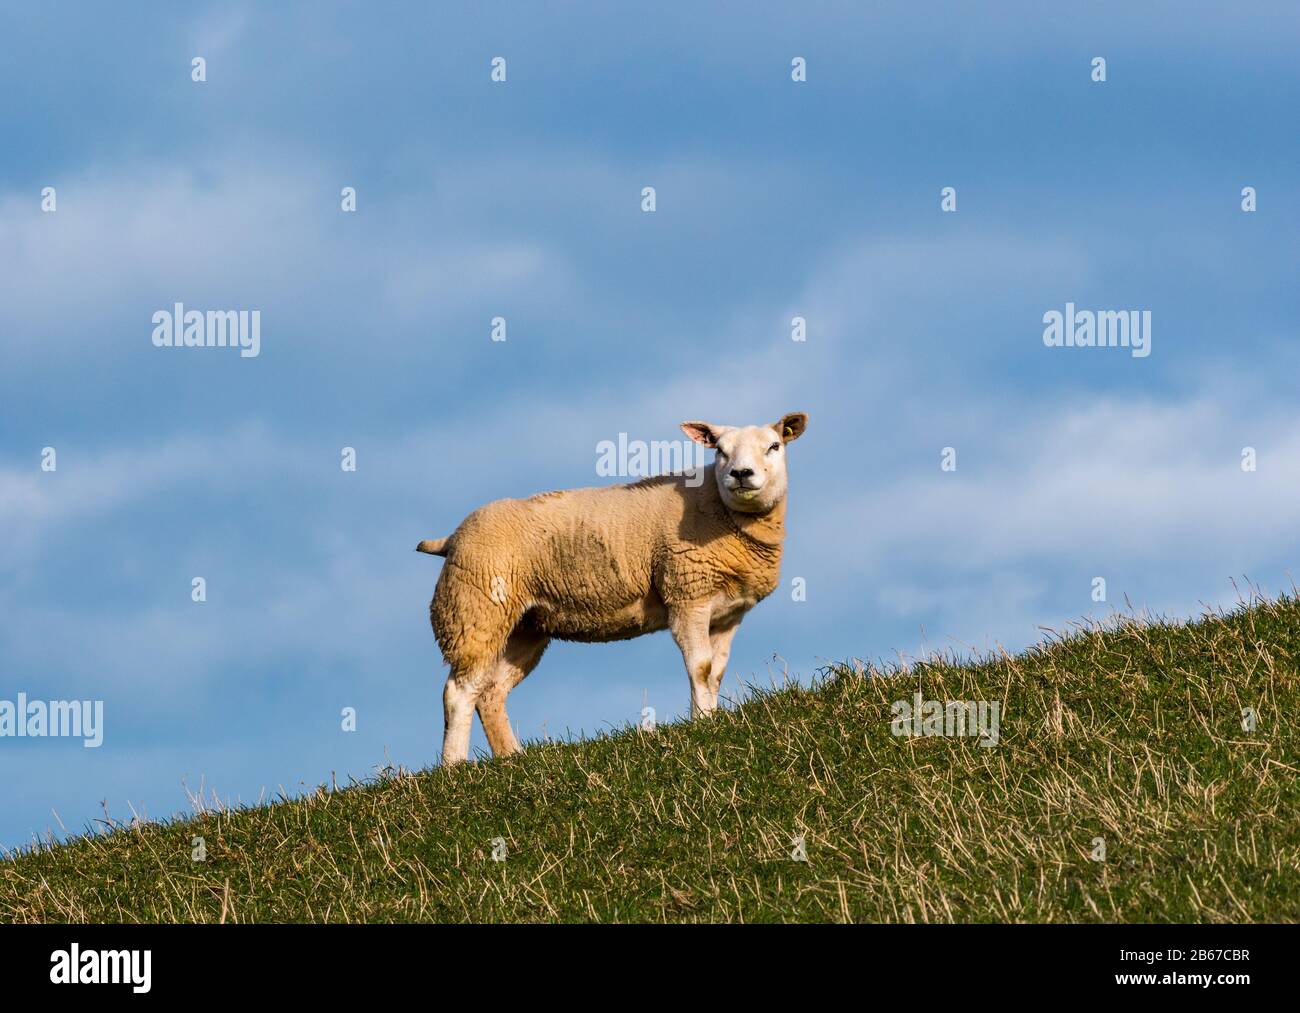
<point>750,463</point>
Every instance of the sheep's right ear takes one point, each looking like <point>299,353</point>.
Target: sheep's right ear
<point>703,433</point>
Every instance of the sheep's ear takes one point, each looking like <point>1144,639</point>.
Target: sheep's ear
<point>703,433</point>
<point>791,426</point>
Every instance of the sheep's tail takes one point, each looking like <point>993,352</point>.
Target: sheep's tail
<point>433,546</point>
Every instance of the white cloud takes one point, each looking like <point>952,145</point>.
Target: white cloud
<point>1146,479</point>
<point>254,228</point>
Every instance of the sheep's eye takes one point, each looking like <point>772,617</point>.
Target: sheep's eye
<point>774,446</point>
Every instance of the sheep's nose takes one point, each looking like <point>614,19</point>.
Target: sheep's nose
<point>742,472</point>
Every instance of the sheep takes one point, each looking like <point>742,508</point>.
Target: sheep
<point>611,563</point>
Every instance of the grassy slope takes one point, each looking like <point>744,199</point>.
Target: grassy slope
<point>1133,735</point>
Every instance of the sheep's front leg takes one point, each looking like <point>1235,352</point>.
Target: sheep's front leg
<point>690,628</point>
<point>720,643</point>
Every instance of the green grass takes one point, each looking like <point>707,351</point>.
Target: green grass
<point>1132,734</point>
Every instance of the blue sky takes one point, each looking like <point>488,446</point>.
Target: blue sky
<point>475,199</point>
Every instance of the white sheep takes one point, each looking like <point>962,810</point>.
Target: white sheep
<point>610,563</point>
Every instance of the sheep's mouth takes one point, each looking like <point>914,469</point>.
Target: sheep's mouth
<point>741,489</point>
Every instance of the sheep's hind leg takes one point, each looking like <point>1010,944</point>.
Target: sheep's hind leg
<point>458,699</point>
<point>522,653</point>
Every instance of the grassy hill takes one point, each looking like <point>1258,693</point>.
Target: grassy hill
<point>1131,734</point>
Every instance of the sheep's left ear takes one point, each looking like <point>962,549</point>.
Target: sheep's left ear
<point>791,426</point>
